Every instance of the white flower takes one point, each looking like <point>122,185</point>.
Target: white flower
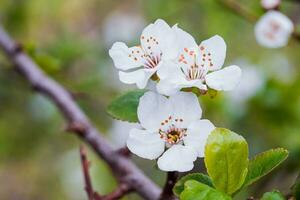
<point>270,4</point>
<point>141,62</point>
<point>173,131</point>
<point>198,66</point>
<point>273,30</point>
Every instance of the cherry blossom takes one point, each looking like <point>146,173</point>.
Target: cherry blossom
<point>273,29</point>
<point>198,66</point>
<point>270,4</point>
<point>171,132</point>
<point>137,64</point>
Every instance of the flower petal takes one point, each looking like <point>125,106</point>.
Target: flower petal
<point>212,53</point>
<point>153,109</point>
<point>159,38</point>
<point>178,158</point>
<point>186,108</point>
<point>184,39</point>
<point>139,77</point>
<point>170,70</point>
<point>225,79</point>
<point>193,83</point>
<point>197,134</point>
<point>125,58</point>
<point>144,144</point>
<point>166,87</point>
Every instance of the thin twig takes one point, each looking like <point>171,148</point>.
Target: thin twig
<point>167,193</point>
<point>85,168</point>
<point>121,191</point>
<point>123,168</point>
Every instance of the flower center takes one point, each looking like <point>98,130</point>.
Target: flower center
<point>151,61</point>
<point>195,63</point>
<point>173,135</point>
<point>194,72</point>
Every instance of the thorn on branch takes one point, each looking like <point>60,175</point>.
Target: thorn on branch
<point>124,151</point>
<point>18,48</point>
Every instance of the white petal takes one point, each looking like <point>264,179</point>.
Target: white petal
<point>225,79</point>
<point>153,109</point>
<point>212,53</point>
<point>193,83</point>
<point>178,158</point>
<point>144,144</point>
<point>159,38</point>
<point>184,39</point>
<point>139,77</point>
<point>169,70</point>
<point>273,29</point>
<point>197,134</point>
<point>167,88</point>
<point>186,107</point>
<point>125,58</point>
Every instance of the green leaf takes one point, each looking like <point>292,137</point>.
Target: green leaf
<point>274,195</point>
<point>202,178</point>
<point>194,190</point>
<point>226,159</point>
<point>264,163</point>
<point>125,106</point>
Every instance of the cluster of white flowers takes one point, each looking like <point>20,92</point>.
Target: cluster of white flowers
<point>171,129</point>
<point>273,29</point>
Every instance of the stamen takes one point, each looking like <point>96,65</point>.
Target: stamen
<point>173,135</point>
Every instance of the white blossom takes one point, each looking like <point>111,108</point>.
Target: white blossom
<point>270,4</point>
<point>137,64</point>
<point>198,66</point>
<point>273,29</point>
<point>172,131</point>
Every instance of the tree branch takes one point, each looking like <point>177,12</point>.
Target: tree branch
<point>85,168</point>
<point>167,193</point>
<point>122,190</point>
<point>124,169</point>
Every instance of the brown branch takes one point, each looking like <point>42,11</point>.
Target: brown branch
<point>245,13</point>
<point>167,193</point>
<point>124,169</point>
<point>85,168</point>
<point>122,190</point>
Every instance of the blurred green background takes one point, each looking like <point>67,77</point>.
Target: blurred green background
<point>70,40</point>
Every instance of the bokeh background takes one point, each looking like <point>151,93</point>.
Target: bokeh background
<point>70,40</point>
